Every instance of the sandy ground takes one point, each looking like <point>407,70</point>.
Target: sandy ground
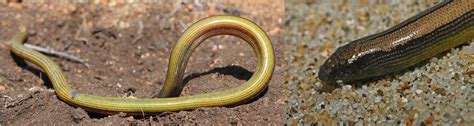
<point>127,48</point>
<point>438,91</point>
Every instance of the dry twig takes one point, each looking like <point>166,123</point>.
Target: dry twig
<point>56,53</point>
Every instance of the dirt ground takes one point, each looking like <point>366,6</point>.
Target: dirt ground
<point>127,47</point>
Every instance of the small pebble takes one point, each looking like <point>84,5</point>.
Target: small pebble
<point>181,114</point>
<point>418,91</point>
<point>130,119</point>
<point>79,114</point>
<point>122,114</point>
<point>119,85</point>
<point>2,88</point>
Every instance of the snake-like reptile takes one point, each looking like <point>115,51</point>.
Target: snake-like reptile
<point>431,32</point>
<point>168,101</point>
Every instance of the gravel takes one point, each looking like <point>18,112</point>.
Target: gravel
<point>438,91</point>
